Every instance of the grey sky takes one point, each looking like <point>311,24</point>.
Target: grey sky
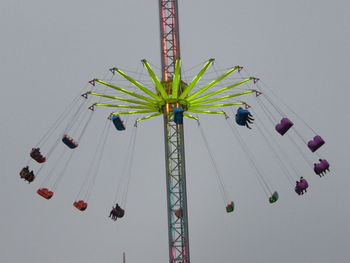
<point>50,49</point>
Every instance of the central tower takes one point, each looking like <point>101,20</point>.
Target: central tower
<point>173,136</point>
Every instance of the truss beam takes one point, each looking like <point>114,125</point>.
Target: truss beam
<point>169,37</point>
<point>176,189</point>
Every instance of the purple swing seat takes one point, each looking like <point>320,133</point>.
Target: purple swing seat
<point>321,167</point>
<point>284,126</point>
<point>301,186</point>
<point>315,143</point>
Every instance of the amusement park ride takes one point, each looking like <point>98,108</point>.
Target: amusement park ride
<point>175,99</point>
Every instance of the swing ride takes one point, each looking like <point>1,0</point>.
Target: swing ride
<point>175,98</point>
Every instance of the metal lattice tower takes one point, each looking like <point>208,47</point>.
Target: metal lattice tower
<point>173,139</point>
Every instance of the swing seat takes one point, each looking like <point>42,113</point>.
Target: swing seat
<point>80,205</point>
<point>321,167</point>
<point>230,207</point>
<point>118,123</point>
<point>178,213</point>
<point>36,155</point>
<point>178,115</point>
<point>240,121</point>
<point>44,192</point>
<point>117,212</point>
<point>26,175</point>
<point>242,116</point>
<point>120,212</point>
<point>315,143</point>
<point>303,184</point>
<point>243,112</point>
<point>69,142</point>
<point>274,197</point>
<point>284,126</point>
<point>29,178</point>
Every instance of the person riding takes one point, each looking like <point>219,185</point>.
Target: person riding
<point>112,213</point>
<point>30,175</point>
<point>303,188</point>
<point>24,172</point>
<point>36,152</point>
<point>298,189</point>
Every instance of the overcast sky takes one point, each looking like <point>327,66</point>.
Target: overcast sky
<point>50,49</point>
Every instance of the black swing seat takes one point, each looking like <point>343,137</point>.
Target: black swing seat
<point>69,142</point>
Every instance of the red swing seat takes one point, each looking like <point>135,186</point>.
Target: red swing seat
<point>44,192</point>
<point>80,205</point>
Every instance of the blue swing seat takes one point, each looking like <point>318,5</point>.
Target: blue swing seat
<point>242,116</point>
<point>178,115</point>
<point>118,123</point>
